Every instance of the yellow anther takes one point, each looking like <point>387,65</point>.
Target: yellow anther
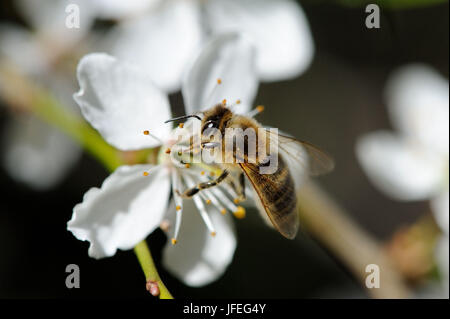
<point>238,101</point>
<point>174,241</point>
<point>219,81</point>
<point>212,174</point>
<point>202,173</point>
<point>213,233</point>
<point>236,200</point>
<point>178,207</point>
<point>260,108</point>
<point>145,173</point>
<point>146,132</point>
<point>240,212</point>
<point>181,125</point>
<point>224,101</point>
<point>223,211</point>
<point>187,165</point>
<point>180,153</point>
<point>168,151</point>
<point>208,201</point>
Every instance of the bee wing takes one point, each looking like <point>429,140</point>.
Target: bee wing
<point>265,186</point>
<point>303,158</point>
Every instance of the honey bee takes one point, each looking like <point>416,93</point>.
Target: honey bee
<point>275,192</point>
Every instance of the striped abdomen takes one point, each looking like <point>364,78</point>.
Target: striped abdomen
<point>277,195</point>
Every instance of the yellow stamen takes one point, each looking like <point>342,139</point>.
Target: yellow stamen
<point>168,151</point>
<point>260,108</point>
<point>178,207</point>
<point>145,173</point>
<point>240,212</point>
<point>174,241</point>
<point>212,174</point>
<point>202,173</point>
<point>146,132</point>
<point>213,233</point>
<point>208,201</point>
<point>181,125</point>
<point>223,211</point>
<point>219,81</point>
<point>238,102</point>
<point>236,200</point>
<point>224,101</point>
<point>187,165</point>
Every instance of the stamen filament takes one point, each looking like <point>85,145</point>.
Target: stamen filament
<point>176,183</point>
<point>255,111</point>
<point>155,137</point>
<point>224,199</point>
<point>214,200</point>
<point>200,206</point>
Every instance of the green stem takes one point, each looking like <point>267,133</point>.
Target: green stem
<point>20,92</point>
<point>49,110</point>
<point>148,266</point>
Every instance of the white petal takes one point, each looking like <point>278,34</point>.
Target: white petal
<point>113,9</point>
<point>418,100</point>
<point>161,43</point>
<point>127,208</point>
<point>440,209</point>
<point>442,259</point>
<point>121,102</point>
<point>401,170</point>
<point>37,154</point>
<point>229,57</point>
<point>279,28</point>
<point>198,258</point>
<point>21,48</point>
<point>49,18</point>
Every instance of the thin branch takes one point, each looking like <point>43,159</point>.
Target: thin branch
<point>330,224</point>
<point>148,266</point>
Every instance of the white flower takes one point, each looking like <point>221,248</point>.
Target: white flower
<point>121,102</point>
<point>164,40</point>
<point>48,20</point>
<point>412,164</point>
<point>119,9</point>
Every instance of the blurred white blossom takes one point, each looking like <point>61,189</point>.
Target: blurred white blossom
<point>165,40</point>
<point>412,163</point>
<point>34,153</point>
<point>121,102</point>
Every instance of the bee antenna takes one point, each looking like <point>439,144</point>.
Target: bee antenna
<point>183,117</point>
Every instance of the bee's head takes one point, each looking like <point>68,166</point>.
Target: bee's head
<point>213,122</point>
<point>215,118</point>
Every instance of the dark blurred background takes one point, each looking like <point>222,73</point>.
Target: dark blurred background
<point>335,101</point>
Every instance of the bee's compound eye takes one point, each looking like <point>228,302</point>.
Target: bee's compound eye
<point>210,125</point>
<point>265,162</point>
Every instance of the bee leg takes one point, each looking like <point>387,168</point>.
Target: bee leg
<point>194,190</point>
